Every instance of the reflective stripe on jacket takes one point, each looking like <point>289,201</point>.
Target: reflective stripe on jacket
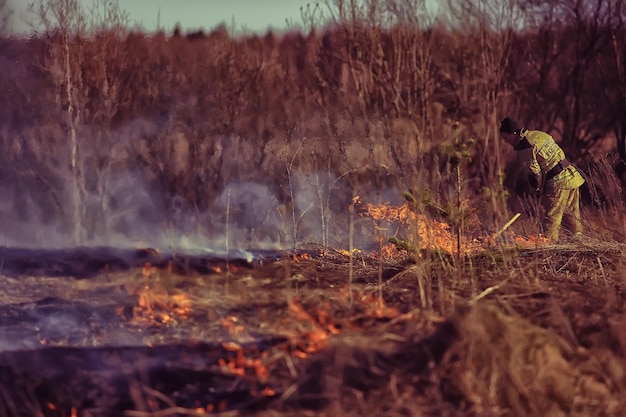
<point>539,153</point>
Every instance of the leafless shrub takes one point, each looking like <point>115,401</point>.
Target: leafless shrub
<point>379,87</point>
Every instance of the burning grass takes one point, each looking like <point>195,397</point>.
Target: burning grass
<point>448,318</point>
<point>501,330</point>
<point>426,233</point>
<point>293,336</point>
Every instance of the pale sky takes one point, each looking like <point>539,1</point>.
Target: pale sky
<point>249,15</point>
<point>252,15</point>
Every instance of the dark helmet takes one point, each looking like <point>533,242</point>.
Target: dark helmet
<point>509,125</point>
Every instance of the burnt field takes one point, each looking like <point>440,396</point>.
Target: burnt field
<point>508,331</point>
<point>321,223</point>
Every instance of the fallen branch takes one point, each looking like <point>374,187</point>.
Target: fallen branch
<point>486,292</point>
<point>507,225</point>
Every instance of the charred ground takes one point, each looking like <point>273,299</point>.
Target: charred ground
<point>506,332</point>
<point>113,137</point>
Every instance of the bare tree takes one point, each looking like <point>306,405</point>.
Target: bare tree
<point>64,21</point>
<point>617,93</point>
<point>68,25</point>
<point>485,29</point>
<point>563,58</point>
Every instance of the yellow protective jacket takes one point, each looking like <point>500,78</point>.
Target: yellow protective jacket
<point>540,154</point>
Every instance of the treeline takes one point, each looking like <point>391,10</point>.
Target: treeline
<point>364,100</point>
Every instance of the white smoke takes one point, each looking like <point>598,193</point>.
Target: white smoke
<point>131,210</point>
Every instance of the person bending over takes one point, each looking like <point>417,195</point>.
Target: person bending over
<point>552,176</point>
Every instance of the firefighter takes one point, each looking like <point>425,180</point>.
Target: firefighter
<point>554,178</point>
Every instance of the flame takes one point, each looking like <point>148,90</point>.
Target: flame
<point>317,330</point>
<point>181,304</point>
<point>156,304</point>
<point>375,307</point>
<point>531,242</point>
<point>433,234</point>
<point>387,251</point>
<point>344,252</point>
<point>232,268</point>
<point>301,257</point>
<point>306,333</point>
<point>240,364</point>
<point>307,330</point>
<point>235,329</point>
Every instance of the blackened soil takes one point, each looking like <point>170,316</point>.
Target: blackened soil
<point>102,332</point>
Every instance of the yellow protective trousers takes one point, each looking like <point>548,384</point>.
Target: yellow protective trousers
<point>561,204</point>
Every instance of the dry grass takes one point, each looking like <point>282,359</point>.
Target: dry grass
<point>266,140</point>
<point>191,116</point>
<point>504,332</point>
